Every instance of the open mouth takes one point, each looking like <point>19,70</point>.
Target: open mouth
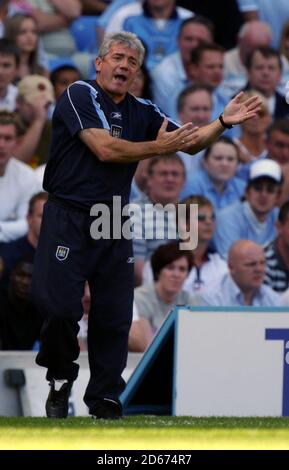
<point>120,78</point>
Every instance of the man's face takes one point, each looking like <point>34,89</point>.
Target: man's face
<point>65,78</point>
<point>165,182</point>
<point>34,219</point>
<point>222,162</point>
<point>197,108</point>
<point>8,70</point>
<point>264,74</point>
<point>21,277</point>
<point>262,195</point>
<point>117,70</point>
<point>8,140</point>
<point>278,147</point>
<point>209,71</point>
<point>248,269</point>
<point>191,36</point>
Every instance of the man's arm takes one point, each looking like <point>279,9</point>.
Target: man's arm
<point>187,138</point>
<point>110,149</point>
<point>235,112</point>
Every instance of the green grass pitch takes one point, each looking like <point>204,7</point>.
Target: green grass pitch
<point>144,432</point>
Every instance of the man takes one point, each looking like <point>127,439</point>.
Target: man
<point>243,285</point>
<point>277,143</point>
<point>9,62</point>
<point>172,74</point>
<point>166,177</point>
<point>264,68</point>
<point>35,95</point>
<point>100,132</point>
<point>254,218</point>
<point>277,253</point>
<point>12,251</point>
<point>17,182</point>
<point>194,105</point>
<point>20,323</point>
<point>251,35</point>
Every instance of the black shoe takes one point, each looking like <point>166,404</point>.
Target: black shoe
<point>107,409</point>
<point>57,401</point>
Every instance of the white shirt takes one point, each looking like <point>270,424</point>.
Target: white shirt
<point>17,186</point>
<point>8,103</point>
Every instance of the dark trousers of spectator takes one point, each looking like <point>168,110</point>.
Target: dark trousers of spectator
<point>66,257</point>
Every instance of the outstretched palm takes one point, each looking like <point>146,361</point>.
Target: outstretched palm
<point>238,111</point>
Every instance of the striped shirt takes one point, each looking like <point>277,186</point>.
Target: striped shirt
<point>277,274</point>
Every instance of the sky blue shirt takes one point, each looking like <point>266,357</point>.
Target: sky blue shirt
<point>237,222</point>
<point>200,183</point>
<point>225,293</point>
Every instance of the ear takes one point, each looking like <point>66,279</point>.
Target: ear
<point>98,63</point>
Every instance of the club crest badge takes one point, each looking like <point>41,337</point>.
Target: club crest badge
<point>62,253</point>
<point>116,131</point>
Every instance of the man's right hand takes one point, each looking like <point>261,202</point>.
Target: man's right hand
<point>180,139</point>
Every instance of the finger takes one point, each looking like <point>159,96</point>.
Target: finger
<point>164,125</point>
<point>249,115</point>
<point>185,128</point>
<point>238,96</point>
<point>252,102</point>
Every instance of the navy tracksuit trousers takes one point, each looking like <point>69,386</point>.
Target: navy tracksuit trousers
<point>66,257</point>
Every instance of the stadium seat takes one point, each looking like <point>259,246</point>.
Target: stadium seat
<point>83,29</point>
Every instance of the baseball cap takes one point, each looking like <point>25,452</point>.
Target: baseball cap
<point>32,87</point>
<point>266,168</point>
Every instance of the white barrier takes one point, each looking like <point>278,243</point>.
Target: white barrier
<point>221,362</point>
<point>29,399</point>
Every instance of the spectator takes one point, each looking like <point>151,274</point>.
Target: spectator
<point>284,42</point>
<point>166,176</point>
<point>20,323</point>
<point>141,86</point>
<point>251,35</point>
<point>172,74</point>
<point>10,252</point>
<point>264,74</point>
<point>216,179</point>
<point>17,182</point>
<point>277,143</point>
<point>9,63</point>
<point>170,267</point>
<point>206,68</point>
<point>155,23</point>
<point>35,95</point>
<point>277,253</point>
<point>63,76</point>
<point>207,264</point>
<point>140,333</point>
<point>243,285</point>
<point>273,13</point>
<point>194,105</point>
<point>53,18</point>
<point>22,29</point>
<point>254,218</point>
<point>252,141</point>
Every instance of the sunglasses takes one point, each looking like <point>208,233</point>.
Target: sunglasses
<point>268,187</point>
<point>202,217</point>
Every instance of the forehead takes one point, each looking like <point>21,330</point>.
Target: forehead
<point>211,56</point>
<point>199,96</point>
<point>195,29</point>
<point>8,129</point>
<point>124,49</point>
<point>164,164</point>
<point>258,58</point>
<point>223,147</point>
